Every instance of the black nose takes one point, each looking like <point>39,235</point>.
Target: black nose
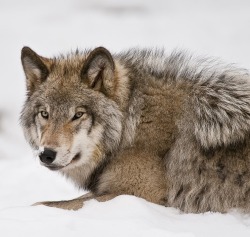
<point>47,156</point>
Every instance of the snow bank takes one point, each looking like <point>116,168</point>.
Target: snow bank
<point>123,216</point>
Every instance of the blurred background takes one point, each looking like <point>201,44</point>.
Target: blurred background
<point>219,28</point>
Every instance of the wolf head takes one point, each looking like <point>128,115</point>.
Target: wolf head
<point>71,116</point>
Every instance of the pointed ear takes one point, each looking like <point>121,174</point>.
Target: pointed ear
<point>35,69</point>
<point>98,71</point>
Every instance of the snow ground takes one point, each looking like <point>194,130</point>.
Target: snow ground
<point>217,27</point>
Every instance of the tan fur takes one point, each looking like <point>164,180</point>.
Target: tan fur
<point>150,184</point>
<point>121,88</point>
<point>73,204</point>
<point>155,126</point>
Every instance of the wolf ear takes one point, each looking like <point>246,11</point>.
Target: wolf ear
<point>98,71</point>
<point>34,67</point>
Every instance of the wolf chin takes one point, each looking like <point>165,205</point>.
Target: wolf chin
<point>170,128</point>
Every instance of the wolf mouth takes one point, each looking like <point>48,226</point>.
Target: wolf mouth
<point>53,167</point>
<point>58,167</point>
<point>76,158</point>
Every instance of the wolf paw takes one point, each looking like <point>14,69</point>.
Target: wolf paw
<point>66,205</point>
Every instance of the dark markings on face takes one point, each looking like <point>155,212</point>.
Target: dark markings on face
<point>92,122</point>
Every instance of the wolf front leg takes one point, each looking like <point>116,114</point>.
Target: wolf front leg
<point>73,204</point>
<point>77,203</point>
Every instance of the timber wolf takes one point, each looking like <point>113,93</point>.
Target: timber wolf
<point>170,128</point>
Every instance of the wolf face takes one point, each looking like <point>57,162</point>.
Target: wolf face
<point>69,116</point>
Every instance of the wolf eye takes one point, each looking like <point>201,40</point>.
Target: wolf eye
<point>77,115</point>
<point>44,114</point>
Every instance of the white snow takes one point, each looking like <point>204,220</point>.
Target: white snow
<point>217,28</point>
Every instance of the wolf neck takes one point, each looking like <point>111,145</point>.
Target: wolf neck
<point>129,99</point>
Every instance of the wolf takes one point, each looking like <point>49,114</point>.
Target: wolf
<point>169,128</point>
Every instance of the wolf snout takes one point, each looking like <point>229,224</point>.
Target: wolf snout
<point>47,156</point>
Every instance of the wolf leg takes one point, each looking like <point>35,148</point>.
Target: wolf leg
<point>73,204</point>
<point>77,203</point>
<point>106,197</point>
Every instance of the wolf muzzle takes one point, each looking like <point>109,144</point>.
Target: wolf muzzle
<point>47,156</point>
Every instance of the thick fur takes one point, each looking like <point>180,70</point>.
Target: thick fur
<point>173,129</point>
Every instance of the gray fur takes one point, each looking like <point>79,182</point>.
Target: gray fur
<point>175,128</point>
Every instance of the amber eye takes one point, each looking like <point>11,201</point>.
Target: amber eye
<point>44,114</point>
<point>77,115</point>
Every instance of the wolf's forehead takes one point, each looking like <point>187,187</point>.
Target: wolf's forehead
<point>64,98</point>
<point>68,65</point>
